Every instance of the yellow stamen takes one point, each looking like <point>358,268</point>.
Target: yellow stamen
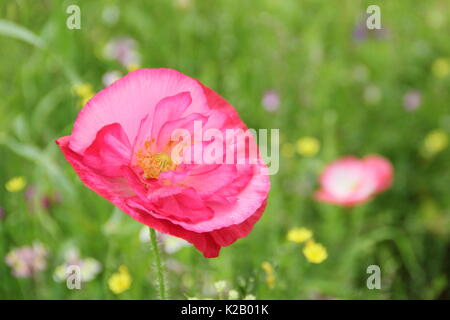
<point>153,164</point>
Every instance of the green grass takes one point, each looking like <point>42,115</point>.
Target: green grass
<point>302,49</point>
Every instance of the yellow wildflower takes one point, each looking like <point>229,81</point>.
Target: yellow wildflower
<point>16,184</point>
<point>84,91</point>
<point>133,66</point>
<point>287,150</point>
<point>441,67</point>
<point>435,142</point>
<point>267,267</point>
<point>120,281</point>
<point>299,235</point>
<point>85,100</point>
<point>270,274</point>
<point>270,280</point>
<point>307,146</point>
<point>315,252</point>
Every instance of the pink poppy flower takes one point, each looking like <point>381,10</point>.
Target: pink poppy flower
<point>349,181</point>
<point>121,148</point>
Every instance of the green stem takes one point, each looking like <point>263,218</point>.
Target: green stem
<point>159,265</point>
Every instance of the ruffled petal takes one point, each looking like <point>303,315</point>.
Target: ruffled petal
<point>168,129</point>
<point>128,100</point>
<point>248,201</point>
<point>207,179</point>
<point>208,243</point>
<point>228,235</point>
<point>202,241</point>
<point>166,110</point>
<point>219,105</point>
<point>111,188</point>
<point>109,152</point>
<point>169,109</point>
<point>180,204</point>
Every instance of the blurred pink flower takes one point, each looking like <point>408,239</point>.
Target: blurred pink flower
<point>46,201</point>
<point>123,49</point>
<point>30,194</point>
<point>26,261</point>
<point>412,100</point>
<point>349,181</point>
<point>271,100</point>
<point>49,200</point>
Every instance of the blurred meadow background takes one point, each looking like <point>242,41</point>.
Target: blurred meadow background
<point>309,68</point>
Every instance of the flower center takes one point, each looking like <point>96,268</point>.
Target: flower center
<point>153,164</point>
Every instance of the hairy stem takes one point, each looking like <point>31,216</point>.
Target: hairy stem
<point>159,265</point>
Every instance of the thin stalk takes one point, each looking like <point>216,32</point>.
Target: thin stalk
<point>159,265</point>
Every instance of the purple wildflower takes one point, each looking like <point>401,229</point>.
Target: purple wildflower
<point>412,100</point>
<point>26,261</point>
<point>123,50</point>
<point>271,100</point>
